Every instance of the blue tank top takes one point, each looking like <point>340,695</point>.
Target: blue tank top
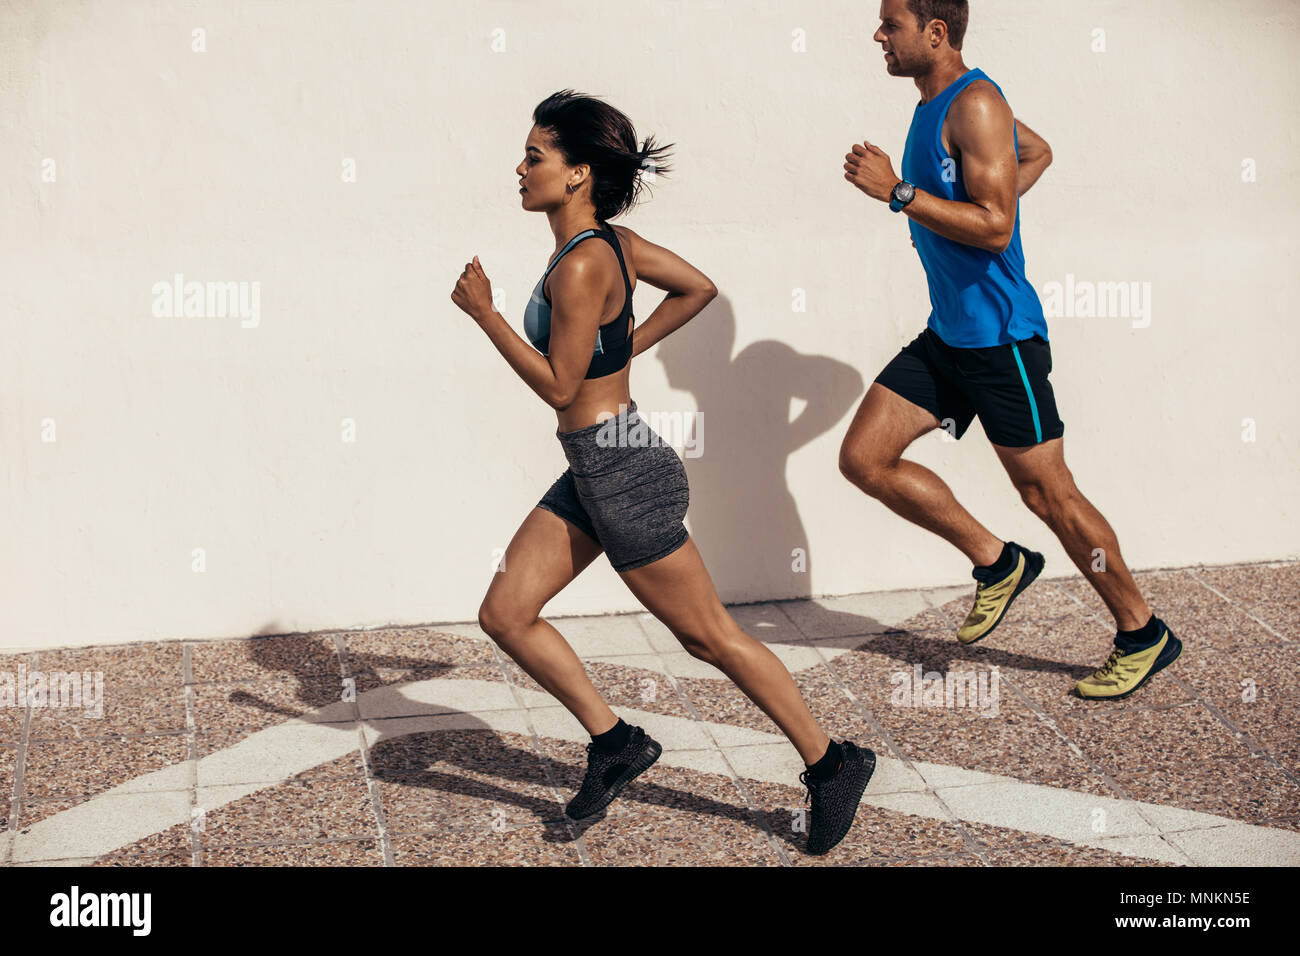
<point>978,298</point>
<point>613,339</point>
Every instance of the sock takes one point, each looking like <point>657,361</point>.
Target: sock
<point>825,768</point>
<point>999,569</point>
<point>1145,636</point>
<point>614,739</point>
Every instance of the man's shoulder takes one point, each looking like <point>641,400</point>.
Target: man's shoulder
<point>979,97</point>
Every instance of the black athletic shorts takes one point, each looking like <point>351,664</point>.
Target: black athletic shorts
<point>1005,385</point>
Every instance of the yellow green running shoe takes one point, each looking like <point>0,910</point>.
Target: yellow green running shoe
<point>1122,673</point>
<point>992,598</point>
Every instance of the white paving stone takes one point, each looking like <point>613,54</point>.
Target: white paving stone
<point>1064,814</point>
<point>939,775</point>
<point>612,636</point>
<point>502,721</point>
<point>645,662</point>
<point>704,761</point>
<point>766,623</point>
<point>1144,847</point>
<point>855,614</point>
<point>918,803</point>
<point>770,762</point>
<point>938,597</point>
<point>420,697</point>
<point>1239,844</point>
<point>657,633</point>
<point>101,825</point>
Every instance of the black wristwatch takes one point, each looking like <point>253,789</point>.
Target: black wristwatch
<point>902,194</point>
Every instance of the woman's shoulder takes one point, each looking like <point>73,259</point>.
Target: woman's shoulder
<point>624,233</point>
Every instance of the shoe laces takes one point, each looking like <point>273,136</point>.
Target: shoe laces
<point>1109,667</point>
<point>814,786</point>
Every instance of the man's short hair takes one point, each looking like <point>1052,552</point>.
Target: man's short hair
<point>955,13</point>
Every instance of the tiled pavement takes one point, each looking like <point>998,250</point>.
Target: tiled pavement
<point>249,751</point>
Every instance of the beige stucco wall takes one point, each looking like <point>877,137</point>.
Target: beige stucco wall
<point>173,434</point>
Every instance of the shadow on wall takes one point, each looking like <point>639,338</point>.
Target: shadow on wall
<point>743,516</point>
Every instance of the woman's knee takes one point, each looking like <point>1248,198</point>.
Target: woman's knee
<point>501,621</point>
<point>714,644</point>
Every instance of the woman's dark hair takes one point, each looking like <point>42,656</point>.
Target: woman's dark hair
<point>587,130</point>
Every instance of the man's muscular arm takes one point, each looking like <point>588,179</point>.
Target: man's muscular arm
<point>980,130</point>
<point>1035,156</point>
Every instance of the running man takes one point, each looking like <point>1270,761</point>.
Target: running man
<point>985,350</point>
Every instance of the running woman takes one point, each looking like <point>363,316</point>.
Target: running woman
<point>582,168</point>
<point>985,350</point>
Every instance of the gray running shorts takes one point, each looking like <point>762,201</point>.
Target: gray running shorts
<point>625,488</point>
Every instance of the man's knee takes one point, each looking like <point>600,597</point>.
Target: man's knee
<point>1048,499</point>
<point>869,472</point>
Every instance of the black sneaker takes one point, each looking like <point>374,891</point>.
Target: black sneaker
<point>835,801</point>
<point>607,774</point>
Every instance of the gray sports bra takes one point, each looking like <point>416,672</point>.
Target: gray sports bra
<point>613,339</point>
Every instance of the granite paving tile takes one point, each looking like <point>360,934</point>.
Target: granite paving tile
<point>1041,602</point>
<point>1006,847</point>
<point>620,685</point>
<point>1198,617</point>
<point>877,833</point>
<point>1250,790</point>
<point>332,853</point>
<point>722,702</point>
<point>1055,694</point>
<point>11,724</point>
<point>1270,722</point>
<point>168,858</point>
<point>1228,676</point>
<point>8,763</point>
<point>33,810</point>
<point>12,710</point>
<point>1151,740</point>
<point>1156,586</point>
<point>291,812</point>
<point>249,706</point>
<point>683,791</point>
<point>421,651</point>
<point>174,843</point>
<point>656,836</point>
<point>1014,742</point>
<point>125,710</point>
<point>262,658</point>
<point>158,664</point>
<point>537,845</point>
<point>1271,594</point>
<point>79,768</point>
<point>474,779</point>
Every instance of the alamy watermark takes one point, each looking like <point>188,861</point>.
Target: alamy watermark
<point>1085,299</point>
<point>82,690</point>
<point>979,690</point>
<point>683,430</point>
<point>208,300</point>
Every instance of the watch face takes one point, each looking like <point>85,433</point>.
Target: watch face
<point>904,192</point>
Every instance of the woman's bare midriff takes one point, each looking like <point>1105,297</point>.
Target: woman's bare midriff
<point>598,399</point>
